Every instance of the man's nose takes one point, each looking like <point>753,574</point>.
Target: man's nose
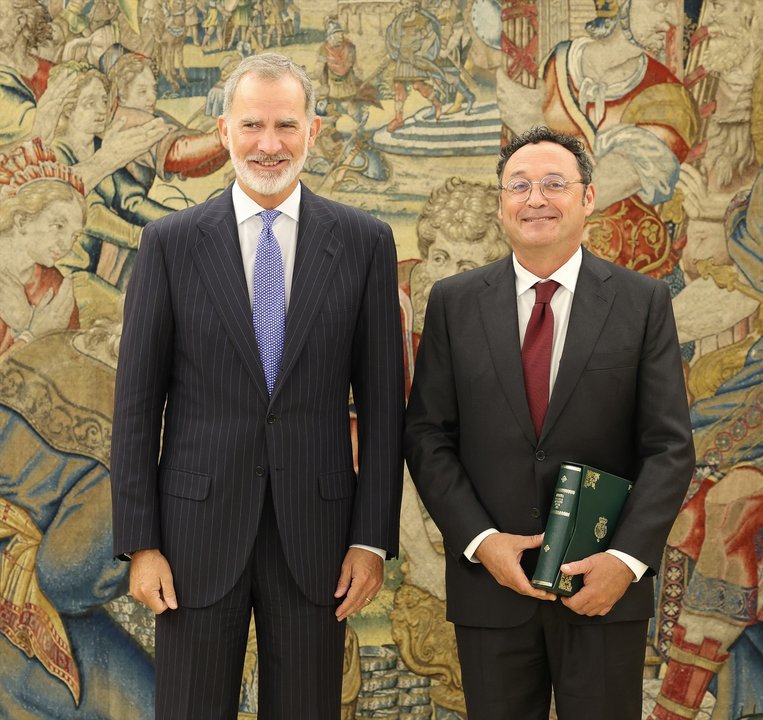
<point>536,198</point>
<point>268,142</point>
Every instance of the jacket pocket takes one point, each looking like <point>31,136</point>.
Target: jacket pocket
<point>611,360</point>
<point>185,484</point>
<point>337,485</point>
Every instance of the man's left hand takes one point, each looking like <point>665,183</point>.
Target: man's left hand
<point>360,579</point>
<point>605,577</point>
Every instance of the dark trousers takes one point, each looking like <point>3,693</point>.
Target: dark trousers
<point>300,646</point>
<point>596,670</point>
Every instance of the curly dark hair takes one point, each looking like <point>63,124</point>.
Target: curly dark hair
<point>540,134</point>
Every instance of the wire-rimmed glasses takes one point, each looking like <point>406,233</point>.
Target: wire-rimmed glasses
<point>552,186</point>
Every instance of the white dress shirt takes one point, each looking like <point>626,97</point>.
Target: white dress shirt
<point>285,229</point>
<point>561,304</point>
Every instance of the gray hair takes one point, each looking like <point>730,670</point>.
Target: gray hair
<point>270,67</point>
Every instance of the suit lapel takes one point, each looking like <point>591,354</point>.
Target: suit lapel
<point>217,256</point>
<point>498,308</point>
<point>590,308</point>
<point>318,251</point>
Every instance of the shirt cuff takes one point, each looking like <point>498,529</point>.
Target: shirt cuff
<point>471,548</point>
<point>636,566</point>
<point>379,551</point>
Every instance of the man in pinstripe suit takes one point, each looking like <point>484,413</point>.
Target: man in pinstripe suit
<point>246,498</point>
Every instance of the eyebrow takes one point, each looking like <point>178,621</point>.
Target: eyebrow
<point>522,173</point>
<point>280,121</point>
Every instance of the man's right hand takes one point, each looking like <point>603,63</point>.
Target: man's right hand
<point>151,580</point>
<point>500,553</point>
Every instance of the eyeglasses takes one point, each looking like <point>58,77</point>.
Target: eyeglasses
<point>552,186</point>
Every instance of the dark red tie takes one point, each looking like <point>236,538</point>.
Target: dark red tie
<point>536,352</point>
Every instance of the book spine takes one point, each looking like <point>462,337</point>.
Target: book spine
<point>561,522</point>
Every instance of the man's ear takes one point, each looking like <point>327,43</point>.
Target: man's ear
<point>589,199</point>
<point>315,127</point>
<point>222,129</point>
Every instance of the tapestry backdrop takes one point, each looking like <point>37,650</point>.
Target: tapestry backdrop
<point>108,121</point>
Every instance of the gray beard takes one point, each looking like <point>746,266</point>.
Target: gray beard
<point>267,184</point>
<point>725,53</point>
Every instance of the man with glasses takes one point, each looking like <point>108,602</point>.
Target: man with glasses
<point>549,355</point>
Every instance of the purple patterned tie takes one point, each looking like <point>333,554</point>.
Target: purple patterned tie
<point>269,299</point>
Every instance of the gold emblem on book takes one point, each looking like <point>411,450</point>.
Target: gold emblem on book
<point>565,582</point>
<point>546,547</point>
<point>600,529</point>
<point>564,478</point>
<point>591,478</point>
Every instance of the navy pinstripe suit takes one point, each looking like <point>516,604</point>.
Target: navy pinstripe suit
<point>189,359</point>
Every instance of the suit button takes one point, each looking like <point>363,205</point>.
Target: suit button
<point>259,471</point>
<point>270,419</point>
<point>540,455</point>
<point>535,513</point>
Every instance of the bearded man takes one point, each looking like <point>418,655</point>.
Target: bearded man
<point>732,53</point>
<point>247,320</point>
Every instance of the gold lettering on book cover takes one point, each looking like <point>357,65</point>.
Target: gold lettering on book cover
<point>591,478</point>
<point>600,529</point>
<point>565,582</point>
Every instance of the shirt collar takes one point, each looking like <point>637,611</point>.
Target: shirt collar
<point>244,207</point>
<point>566,275</point>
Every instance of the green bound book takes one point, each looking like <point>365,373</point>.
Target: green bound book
<point>584,513</point>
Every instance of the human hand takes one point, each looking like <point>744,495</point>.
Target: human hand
<point>606,579</point>
<point>54,311</point>
<point>698,200</point>
<point>501,553</point>
<point>361,577</point>
<point>51,102</point>
<point>122,145</point>
<point>151,581</point>
<point>15,308</point>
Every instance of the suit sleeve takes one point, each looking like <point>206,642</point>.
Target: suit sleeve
<point>379,394</point>
<point>663,439</point>
<point>141,390</point>
<point>432,436</point>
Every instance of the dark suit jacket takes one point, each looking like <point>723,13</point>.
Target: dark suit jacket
<point>618,404</point>
<point>188,342</point>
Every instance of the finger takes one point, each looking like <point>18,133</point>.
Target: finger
<point>149,596</point>
<point>351,604</point>
<point>156,603</point>
<point>345,577</point>
<point>116,126</point>
<point>531,541</point>
<point>45,299</point>
<point>524,587</point>
<point>576,568</point>
<point>575,604</point>
<point>168,590</point>
<point>691,173</point>
<point>355,600</point>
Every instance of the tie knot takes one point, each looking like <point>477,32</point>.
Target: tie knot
<point>545,291</point>
<point>268,218</point>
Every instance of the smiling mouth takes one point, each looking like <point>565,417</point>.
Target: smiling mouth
<point>269,164</point>
<point>537,219</point>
